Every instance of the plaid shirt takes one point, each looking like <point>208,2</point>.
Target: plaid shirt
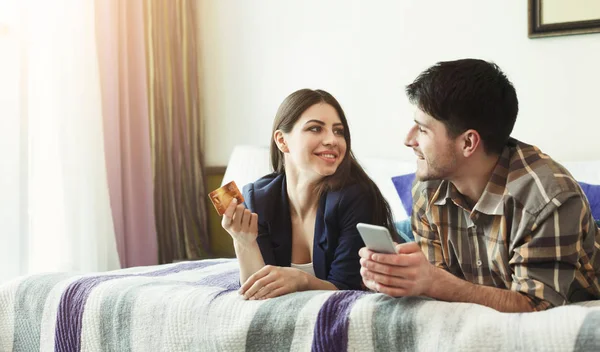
<point>531,231</point>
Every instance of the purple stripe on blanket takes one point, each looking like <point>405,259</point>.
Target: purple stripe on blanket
<point>229,280</point>
<point>72,302</point>
<point>331,328</point>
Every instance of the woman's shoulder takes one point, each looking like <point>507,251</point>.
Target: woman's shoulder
<point>349,205</point>
<point>349,190</point>
<point>353,195</point>
<point>259,194</point>
<point>265,183</point>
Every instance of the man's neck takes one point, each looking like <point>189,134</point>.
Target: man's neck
<point>475,175</point>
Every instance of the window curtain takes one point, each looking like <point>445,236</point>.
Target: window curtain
<point>122,60</point>
<point>54,211</point>
<point>176,129</point>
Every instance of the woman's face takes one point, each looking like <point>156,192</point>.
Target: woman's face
<point>316,143</point>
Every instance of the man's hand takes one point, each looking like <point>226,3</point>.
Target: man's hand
<point>272,281</point>
<point>407,273</point>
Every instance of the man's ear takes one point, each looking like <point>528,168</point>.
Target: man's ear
<point>279,139</point>
<point>470,141</point>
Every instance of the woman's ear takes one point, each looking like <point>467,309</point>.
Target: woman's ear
<point>279,139</point>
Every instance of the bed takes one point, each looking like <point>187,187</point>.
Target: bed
<point>194,306</point>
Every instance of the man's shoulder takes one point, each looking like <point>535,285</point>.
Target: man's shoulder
<point>534,179</point>
<point>427,188</point>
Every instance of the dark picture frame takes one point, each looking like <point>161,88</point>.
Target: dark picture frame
<point>538,29</point>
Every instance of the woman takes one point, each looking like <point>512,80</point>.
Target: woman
<point>298,231</point>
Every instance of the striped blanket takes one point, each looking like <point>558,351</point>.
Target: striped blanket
<point>194,306</point>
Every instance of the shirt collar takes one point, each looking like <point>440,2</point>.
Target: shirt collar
<point>446,191</point>
<point>490,202</point>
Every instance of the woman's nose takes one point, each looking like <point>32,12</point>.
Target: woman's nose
<point>330,139</point>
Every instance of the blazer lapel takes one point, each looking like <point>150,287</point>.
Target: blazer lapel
<point>280,228</point>
<point>320,241</point>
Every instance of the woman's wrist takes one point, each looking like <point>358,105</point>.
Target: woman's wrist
<point>304,282</point>
<point>244,246</point>
<point>310,282</point>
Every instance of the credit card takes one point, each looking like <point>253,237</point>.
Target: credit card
<point>222,196</point>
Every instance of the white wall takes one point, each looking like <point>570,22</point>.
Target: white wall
<point>12,203</point>
<point>255,53</point>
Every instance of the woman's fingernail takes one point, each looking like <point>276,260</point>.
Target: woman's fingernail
<point>234,200</point>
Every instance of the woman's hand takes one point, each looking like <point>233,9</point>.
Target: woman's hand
<point>240,223</point>
<point>272,281</point>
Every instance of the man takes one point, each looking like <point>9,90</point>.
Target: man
<point>496,221</point>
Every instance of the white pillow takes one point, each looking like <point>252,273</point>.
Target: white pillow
<point>247,164</point>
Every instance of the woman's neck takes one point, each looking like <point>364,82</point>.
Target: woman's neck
<point>302,194</point>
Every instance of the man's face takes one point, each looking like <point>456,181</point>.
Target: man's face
<point>437,154</point>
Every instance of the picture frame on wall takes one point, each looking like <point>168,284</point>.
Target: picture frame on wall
<point>563,17</point>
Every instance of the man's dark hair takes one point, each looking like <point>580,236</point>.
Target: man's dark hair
<point>468,94</point>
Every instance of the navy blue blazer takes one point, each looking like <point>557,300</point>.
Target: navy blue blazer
<point>336,239</point>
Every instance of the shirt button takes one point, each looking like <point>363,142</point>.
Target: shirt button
<point>479,263</point>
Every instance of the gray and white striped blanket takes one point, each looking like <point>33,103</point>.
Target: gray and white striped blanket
<point>194,306</point>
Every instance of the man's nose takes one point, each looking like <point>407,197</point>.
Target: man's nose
<point>410,140</point>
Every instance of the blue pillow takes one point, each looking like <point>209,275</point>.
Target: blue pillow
<point>592,192</point>
<point>404,229</point>
<point>403,185</point>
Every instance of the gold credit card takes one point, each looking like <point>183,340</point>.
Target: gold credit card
<point>222,196</point>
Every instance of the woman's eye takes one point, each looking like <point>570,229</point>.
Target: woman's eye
<point>314,129</point>
<point>339,132</point>
<point>421,129</point>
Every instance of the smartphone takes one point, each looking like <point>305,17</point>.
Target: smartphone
<point>376,238</point>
